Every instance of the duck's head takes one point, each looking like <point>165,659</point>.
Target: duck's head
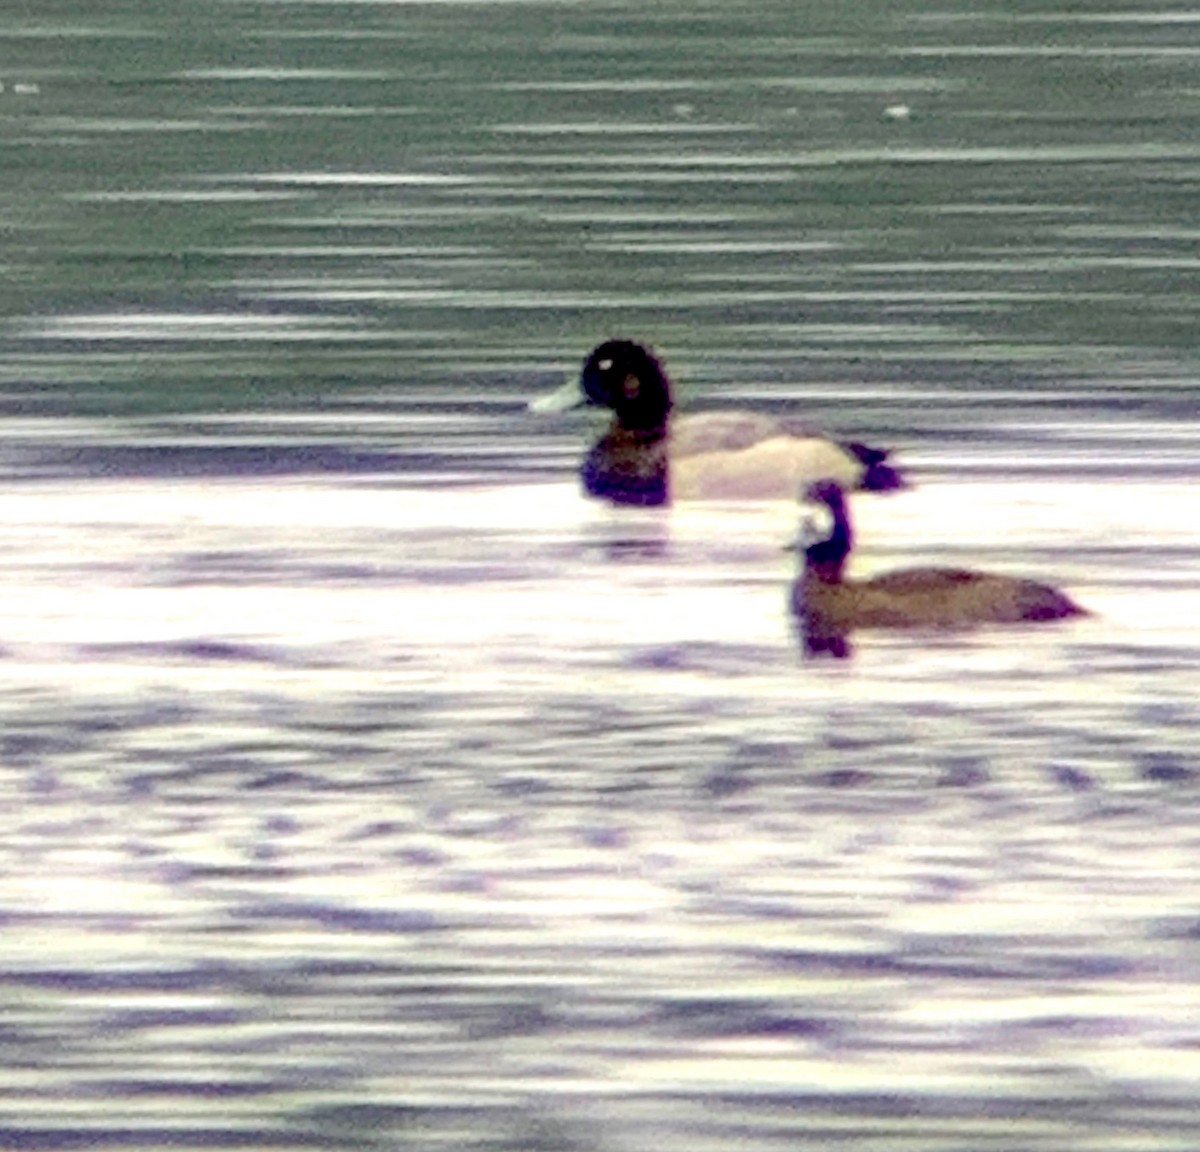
<point>623,376</point>
<point>629,379</point>
<point>825,537</point>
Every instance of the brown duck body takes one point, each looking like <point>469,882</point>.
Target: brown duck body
<point>828,607</point>
<point>931,598</point>
<point>648,456</point>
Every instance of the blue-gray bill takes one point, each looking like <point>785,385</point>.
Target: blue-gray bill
<point>569,395</point>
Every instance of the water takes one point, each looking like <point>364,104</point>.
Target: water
<point>367,787</point>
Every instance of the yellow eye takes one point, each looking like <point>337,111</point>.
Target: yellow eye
<point>631,387</point>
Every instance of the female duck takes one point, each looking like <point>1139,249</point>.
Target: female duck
<point>648,458</point>
<point>828,607</point>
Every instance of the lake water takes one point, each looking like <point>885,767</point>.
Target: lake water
<point>367,787</point>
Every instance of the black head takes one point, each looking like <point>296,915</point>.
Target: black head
<point>628,378</point>
<point>826,544</point>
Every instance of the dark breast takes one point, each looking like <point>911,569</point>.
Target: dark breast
<point>628,468</point>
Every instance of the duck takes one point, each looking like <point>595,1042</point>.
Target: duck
<point>828,607</point>
<point>648,456</point>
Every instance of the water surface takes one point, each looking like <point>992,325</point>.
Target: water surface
<point>367,786</point>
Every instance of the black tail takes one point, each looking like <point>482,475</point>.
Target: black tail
<point>878,474</point>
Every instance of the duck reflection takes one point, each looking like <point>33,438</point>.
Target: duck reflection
<point>828,608</point>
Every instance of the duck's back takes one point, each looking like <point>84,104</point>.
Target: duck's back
<point>732,431</point>
<point>748,455</point>
<point>954,598</point>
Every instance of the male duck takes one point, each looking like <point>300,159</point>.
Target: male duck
<point>828,607</point>
<point>647,457</point>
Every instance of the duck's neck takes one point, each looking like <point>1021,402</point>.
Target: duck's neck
<point>652,432</point>
<point>646,422</point>
<point>825,571</point>
<point>826,560</point>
